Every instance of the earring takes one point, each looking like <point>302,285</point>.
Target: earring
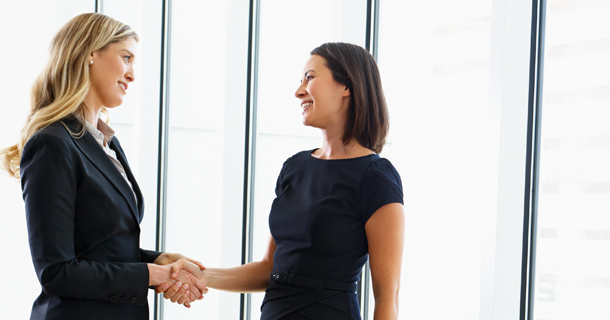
<point>91,62</point>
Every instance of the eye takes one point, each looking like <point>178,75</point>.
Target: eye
<point>308,78</point>
<point>127,58</point>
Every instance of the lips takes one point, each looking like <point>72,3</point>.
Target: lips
<point>306,105</point>
<point>123,85</point>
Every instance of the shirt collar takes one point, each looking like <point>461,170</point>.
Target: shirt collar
<point>103,134</point>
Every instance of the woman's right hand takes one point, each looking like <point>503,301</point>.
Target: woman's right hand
<point>184,279</point>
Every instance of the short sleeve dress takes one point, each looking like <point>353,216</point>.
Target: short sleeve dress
<point>317,221</point>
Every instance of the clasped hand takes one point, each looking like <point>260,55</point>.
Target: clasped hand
<point>187,287</point>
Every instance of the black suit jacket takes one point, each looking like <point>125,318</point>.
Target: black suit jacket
<point>83,226</point>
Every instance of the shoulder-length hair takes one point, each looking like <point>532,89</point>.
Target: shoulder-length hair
<point>64,83</point>
<point>367,116</point>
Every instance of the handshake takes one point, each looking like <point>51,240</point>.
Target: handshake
<point>185,284</point>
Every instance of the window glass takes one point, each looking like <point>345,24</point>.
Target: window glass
<point>28,28</point>
<point>434,59</point>
<point>205,160</point>
<point>288,32</point>
<point>136,121</point>
<point>572,276</point>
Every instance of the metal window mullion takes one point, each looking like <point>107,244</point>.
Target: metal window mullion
<point>99,6</point>
<point>163,140</point>
<point>536,81</point>
<point>372,40</point>
<point>250,148</point>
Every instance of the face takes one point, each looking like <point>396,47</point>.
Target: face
<point>111,72</point>
<point>324,101</point>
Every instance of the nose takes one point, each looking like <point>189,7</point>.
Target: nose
<point>300,91</point>
<point>130,75</point>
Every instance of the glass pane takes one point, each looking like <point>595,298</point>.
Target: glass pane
<point>204,172</point>
<point>434,59</point>
<point>572,278</point>
<point>28,28</point>
<point>136,122</point>
<point>288,32</point>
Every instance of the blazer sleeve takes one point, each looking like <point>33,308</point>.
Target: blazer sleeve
<point>50,185</point>
<point>148,255</point>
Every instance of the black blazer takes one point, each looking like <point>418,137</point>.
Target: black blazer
<point>83,226</point>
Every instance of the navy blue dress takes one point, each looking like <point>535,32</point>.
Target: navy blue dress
<point>317,221</point>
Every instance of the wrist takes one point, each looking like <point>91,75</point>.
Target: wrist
<point>158,274</point>
<point>161,259</point>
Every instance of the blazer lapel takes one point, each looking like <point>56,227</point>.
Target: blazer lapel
<point>116,146</point>
<point>94,152</point>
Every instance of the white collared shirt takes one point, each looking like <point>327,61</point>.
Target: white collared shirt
<point>103,136</point>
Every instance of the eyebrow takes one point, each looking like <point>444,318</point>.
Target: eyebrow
<point>306,72</point>
<point>133,56</point>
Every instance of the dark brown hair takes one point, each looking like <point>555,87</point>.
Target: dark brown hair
<point>367,116</point>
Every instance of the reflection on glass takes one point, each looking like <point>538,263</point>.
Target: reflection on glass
<point>572,277</point>
<point>434,59</point>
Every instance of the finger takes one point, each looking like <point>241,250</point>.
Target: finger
<point>162,288</point>
<point>200,285</point>
<point>199,264</point>
<point>180,293</point>
<point>171,292</point>
<point>188,305</point>
<point>195,293</point>
<point>185,298</point>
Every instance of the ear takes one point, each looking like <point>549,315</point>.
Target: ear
<point>92,55</point>
<point>346,92</point>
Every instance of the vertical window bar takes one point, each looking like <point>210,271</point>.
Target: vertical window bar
<point>536,81</point>
<point>250,147</point>
<point>372,39</point>
<point>163,139</point>
<point>99,6</point>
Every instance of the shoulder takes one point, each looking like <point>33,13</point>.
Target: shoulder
<point>384,167</point>
<point>54,136</point>
<point>381,170</point>
<point>298,157</point>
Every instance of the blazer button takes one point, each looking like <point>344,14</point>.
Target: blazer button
<point>112,299</point>
<point>123,299</point>
<point>134,300</point>
<point>134,231</point>
<point>136,260</point>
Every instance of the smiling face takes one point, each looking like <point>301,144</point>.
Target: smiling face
<point>324,101</point>
<point>111,72</point>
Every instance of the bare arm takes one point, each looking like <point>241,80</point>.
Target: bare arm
<point>250,277</point>
<point>385,233</point>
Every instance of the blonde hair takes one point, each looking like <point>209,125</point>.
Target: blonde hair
<point>64,83</point>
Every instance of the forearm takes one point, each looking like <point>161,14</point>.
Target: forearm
<point>386,307</point>
<point>251,277</point>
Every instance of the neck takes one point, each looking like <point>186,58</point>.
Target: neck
<point>334,148</point>
<point>91,111</point>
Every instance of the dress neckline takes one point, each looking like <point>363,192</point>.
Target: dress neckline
<point>310,154</point>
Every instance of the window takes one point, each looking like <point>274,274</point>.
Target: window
<point>288,32</point>
<point>572,275</point>
<point>28,28</point>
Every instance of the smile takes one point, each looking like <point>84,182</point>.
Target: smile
<point>123,85</point>
<point>306,104</point>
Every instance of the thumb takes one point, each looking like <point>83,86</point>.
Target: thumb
<point>176,267</point>
<point>199,264</point>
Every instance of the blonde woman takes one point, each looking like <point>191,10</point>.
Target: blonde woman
<point>83,204</point>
